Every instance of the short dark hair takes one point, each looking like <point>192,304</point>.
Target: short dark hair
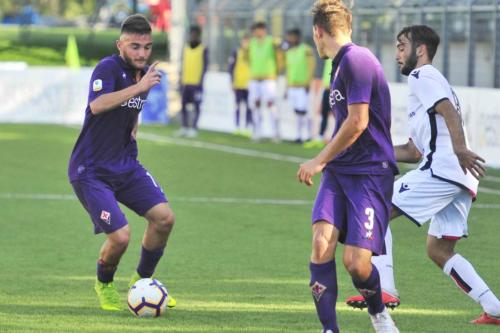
<point>259,25</point>
<point>136,24</point>
<point>195,29</point>
<point>421,34</point>
<point>295,31</point>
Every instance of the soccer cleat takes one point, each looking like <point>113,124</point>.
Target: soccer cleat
<point>486,319</point>
<point>358,302</point>
<point>171,303</point>
<point>109,298</point>
<point>383,323</point>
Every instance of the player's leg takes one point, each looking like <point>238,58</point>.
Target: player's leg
<point>368,213</point>
<point>185,100</point>
<point>254,99</point>
<point>384,265</point>
<point>160,223</point>
<point>142,194</point>
<point>323,281</point>
<point>328,207</point>
<point>99,201</point>
<point>269,98</point>
<point>248,109</point>
<point>446,228</point>
<point>325,112</point>
<point>238,100</point>
<point>197,97</point>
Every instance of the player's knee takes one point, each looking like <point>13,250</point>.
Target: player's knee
<point>164,221</point>
<point>322,250</point>
<point>440,250</point>
<point>120,239</point>
<point>358,270</point>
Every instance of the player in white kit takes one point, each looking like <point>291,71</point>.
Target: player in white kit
<point>445,183</point>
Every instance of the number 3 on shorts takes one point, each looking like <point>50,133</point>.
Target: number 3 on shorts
<point>370,213</point>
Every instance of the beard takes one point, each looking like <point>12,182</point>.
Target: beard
<point>410,63</point>
<point>130,61</point>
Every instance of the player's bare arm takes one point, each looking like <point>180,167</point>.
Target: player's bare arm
<point>407,153</point>
<point>107,102</point>
<point>468,159</point>
<point>354,125</point>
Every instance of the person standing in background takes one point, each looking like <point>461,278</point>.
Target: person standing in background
<point>194,67</point>
<point>240,75</point>
<point>299,65</point>
<point>264,57</point>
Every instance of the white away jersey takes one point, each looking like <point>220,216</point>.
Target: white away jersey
<point>428,129</point>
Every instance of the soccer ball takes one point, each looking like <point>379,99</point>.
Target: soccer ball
<point>147,298</point>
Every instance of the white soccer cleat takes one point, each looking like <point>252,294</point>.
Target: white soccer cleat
<point>383,323</point>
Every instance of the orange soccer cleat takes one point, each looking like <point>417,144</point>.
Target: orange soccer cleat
<point>486,319</point>
<point>358,302</point>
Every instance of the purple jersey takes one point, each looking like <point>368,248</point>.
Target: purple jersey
<point>105,146</point>
<point>357,77</point>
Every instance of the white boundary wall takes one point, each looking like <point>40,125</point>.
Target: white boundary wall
<point>59,96</point>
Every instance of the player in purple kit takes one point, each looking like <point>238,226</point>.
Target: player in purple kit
<point>104,169</point>
<point>353,202</point>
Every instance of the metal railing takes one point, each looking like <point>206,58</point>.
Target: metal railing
<point>469,53</point>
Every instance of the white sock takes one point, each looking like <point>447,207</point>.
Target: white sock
<point>385,267</point>
<point>467,279</point>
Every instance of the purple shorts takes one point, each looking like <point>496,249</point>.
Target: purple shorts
<point>359,206</point>
<point>191,94</point>
<point>136,189</point>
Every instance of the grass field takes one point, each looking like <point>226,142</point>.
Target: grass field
<point>234,263</point>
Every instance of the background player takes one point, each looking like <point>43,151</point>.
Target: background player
<point>353,201</point>
<point>240,76</point>
<point>104,169</point>
<point>194,67</point>
<point>299,66</point>
<point>442,188</point>
<point>265,62</point>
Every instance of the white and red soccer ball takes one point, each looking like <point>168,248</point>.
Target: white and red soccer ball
<point>147,298</point>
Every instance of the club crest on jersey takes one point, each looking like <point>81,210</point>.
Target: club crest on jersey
<point>97,85</point>
<point>106,217</point>
<point>404,187</point>
<point>415,74</point>
<point>317,290</point>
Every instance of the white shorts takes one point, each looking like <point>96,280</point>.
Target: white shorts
<point>263,91</point>
<point>422,197</point>
<point>298,98</point>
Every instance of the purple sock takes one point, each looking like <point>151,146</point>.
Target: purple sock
<point>149,260</point>
<point>324,290</point>
<point>105,272</point>
<point>371,291</point>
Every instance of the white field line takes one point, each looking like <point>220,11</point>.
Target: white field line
<point>258,154</point>
<point>247,201</point>
<point>220,147</point>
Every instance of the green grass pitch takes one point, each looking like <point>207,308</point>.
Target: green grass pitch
<point>234,263</point>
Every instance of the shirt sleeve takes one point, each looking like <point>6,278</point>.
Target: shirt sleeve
<point>103,80</point>
<point>358,77</point>
<point>428,91</point>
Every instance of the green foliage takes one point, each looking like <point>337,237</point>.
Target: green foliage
<point>92,45</point>
<point>233,267</point>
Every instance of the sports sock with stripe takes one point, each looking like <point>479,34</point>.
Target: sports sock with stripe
<point>467,279</point>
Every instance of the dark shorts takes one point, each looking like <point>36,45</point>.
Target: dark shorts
<point>137,190</point>
<point>359,206</point>
<point>191,94</point>
<point>241,96</point>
